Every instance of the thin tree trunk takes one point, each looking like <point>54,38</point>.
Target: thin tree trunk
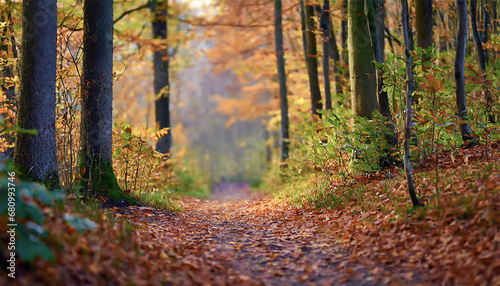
<point>485,7</point>
<point>383,99</point>
<point>361,66</point>
<point>345,55</point>
<point>36,154</point>
<point>335,55</point>
<point>476,37</point>
<point>379,7</point>
<point>409,91</point>
<point>97,102</point>
<point>161,62</point>
<point>304,27</point>
<point>312,59</point>
<point>325,28</point>
<point>280,56</point>
<point>459,70</point>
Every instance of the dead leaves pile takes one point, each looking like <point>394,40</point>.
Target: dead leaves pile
<point>454,240</point>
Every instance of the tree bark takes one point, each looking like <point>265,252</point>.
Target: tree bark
<point>409,90</point>
<point>36,154</point>
<point>312,59</point>
<point>325,28</point>
<point>345,55</point>
<point>361,66</point>
<point>423,23</point>
<point>280,57</point>
<point>97,102</point>
<point>335,55</point>
<point>161,62</point>
<point>481,54</point>
<point>459,70</point>
<point>476,37</point>
<point>379,12</point>
<point>485,8</point>
<point>383,99</point>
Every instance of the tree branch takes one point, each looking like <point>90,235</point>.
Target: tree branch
<point>147,5</point>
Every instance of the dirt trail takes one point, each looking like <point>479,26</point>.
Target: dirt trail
<point>254,242</point>
<point>232,191</point>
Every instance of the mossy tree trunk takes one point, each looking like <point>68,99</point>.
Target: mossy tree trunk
<point>36,154</point>
<point>97,97</point>
<point>361,66</point>
<point>280,57</point>
<point>161,63</point>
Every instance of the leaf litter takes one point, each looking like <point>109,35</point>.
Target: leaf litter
<point>375,238</point>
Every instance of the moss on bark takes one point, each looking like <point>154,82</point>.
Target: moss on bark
<point>101,180</point>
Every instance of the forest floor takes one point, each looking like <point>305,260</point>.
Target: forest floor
<point>240,237</point>
<point>254,242</point>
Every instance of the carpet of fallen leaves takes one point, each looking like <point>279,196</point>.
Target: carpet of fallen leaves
<point>454,240</point>
<point>373,239</point>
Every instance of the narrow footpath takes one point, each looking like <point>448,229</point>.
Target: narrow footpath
<point>240,238</point>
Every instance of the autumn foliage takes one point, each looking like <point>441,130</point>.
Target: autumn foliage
<point>226,206</point>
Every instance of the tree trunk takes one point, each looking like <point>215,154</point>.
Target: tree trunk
<point>361,67</point>
<point>325,28</point>
<point>345,55</point>
<point>312,58</point>
<point>476,37</point>
<point>97,97</point>
<point>409,90</point>
<point>36,154</point>
<point>481,54</point>
<point>424,30</point>
<point>280,56</point>
<point>161,63</point>
<point>335,55</point>
<point>485,8</point>
<point>379,7</point>
<point>459,70</point>
<point>383,99</point>
<point>423,23</point>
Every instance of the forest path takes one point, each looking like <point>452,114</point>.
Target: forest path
<point>253,242</point>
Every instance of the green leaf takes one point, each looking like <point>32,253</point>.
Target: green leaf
<point>30,246</point>
<point>32,132</point>
<point>81,224</point>
<point>37,191</point>
<point>27,210</point>
<point>38,229</point>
